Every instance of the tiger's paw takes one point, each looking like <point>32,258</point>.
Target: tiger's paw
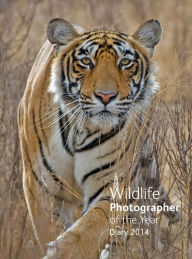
<point>66,246</point>
<point>105,253</point>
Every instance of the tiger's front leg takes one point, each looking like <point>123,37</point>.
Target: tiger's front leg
<point>86,238</point>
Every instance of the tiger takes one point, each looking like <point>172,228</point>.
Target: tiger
<point>80,123</point>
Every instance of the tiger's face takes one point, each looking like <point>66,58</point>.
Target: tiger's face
<point>106,72</point>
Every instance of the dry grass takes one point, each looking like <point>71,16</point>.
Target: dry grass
<point>22,32</point>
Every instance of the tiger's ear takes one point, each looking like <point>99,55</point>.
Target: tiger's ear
<point>149,34</point>
<point>60,32</point>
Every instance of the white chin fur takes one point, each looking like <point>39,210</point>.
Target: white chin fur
<point>105,122</point>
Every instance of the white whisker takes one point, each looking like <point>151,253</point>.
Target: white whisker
<point>60,117</point>
<point>60,131</point>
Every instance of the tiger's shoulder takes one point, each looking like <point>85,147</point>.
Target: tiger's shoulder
<point>36,97</point>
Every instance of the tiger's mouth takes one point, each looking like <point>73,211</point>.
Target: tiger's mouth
<point>111,112</point>
<point>108,114</point>
<point>105,114</point>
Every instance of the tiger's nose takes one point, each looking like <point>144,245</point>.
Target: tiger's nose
<point>105,96</point>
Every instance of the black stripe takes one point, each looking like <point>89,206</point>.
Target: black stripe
<point>109,153</point>
<point>87,108</point>
<point>40,115</point>
<point>101,139</point>
<point>136,69</point>
<point>92,39</point>
<point>41,125</point>
<point>62,72</point>
<point>98,169</point>
<point>146,78</point>
<point>96,52</point>
<point>65,86</point>
<point>85,97</point>
<point>104,175</point>
<point>38,180</point>
<point>103,167</point>
<point>122,36</point>
<point>147,65</point>
<point>82,51</point>
<point>106,198</point>
<point>45,163</point>
<point>137,85</point>
<point>68,70</point>
<point>84,211</point>
<point>125,103</point>
<point>86,102</point>
<point>135,171</point>
<point>70,84</point>
<point>73,55</point>
<point>129,52</point>
<point>99,191</point>
<point>33,172</point>
<point>64,133</point>
<point>118,42</point>
<point>101,51</point>
<point>74,70</point>
<point>88,136</point>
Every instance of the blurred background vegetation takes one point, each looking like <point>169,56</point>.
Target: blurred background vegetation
<point>23,31</point>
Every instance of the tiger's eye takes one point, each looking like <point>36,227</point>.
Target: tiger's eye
<point>125,61</point>
<point>86,61</point>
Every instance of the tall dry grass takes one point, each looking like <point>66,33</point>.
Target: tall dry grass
<point>22,32</point>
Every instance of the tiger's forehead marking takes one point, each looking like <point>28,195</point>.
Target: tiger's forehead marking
<point>106,40</point>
